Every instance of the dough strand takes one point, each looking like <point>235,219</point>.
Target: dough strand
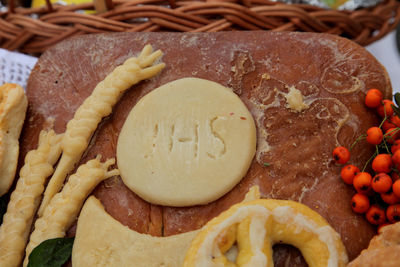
<point>98,105</point>
<point>64,207</point>
<point>25,198</point>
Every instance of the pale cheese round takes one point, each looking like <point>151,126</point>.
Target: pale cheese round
<point>186,143</point>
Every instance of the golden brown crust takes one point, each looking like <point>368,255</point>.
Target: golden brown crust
<point>332,74</point>
<point>13,104</point>
<point>383,250</point>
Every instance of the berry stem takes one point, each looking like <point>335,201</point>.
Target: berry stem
<point>386,146</point>
<point>384,119</point>
<point>369,160</point>
<point>361,137</point>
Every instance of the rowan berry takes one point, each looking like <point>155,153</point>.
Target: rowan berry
<point>373,98</point>
<point>381,183</point>
<point>376,215</point>
<point>395,120</point>
<point>362,182</point>
<point>382,163</point>
<point>374,135</point>
<point>341,155</point>
<point>396,188</point>
<point>393,213</point>
<point>392,135</point>
<point>385,108</point>
<point>395,146</point>
<point>387,125</point>
<point>360,203</point>
<point>348,172</point>
<point>390,198</point>
<point>396,159</point>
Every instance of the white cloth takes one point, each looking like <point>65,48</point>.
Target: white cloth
<point>15,67</point>
<point>386,52</point>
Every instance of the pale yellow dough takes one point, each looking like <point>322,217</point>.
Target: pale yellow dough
<point>13,104</point>
<point>98,105</point>
<point>25,199</point>
<point>186,143</point>
<point>256,226</point>
<point>102,241</point>
<point>64,207</point>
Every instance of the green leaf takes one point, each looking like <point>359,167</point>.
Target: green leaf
<point>396,110</point>
<point>397,98</point>
<point>51,253</point>
<point>266,164</point>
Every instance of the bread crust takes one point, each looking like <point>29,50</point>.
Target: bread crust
<point>13,104</point>
<point>383,250</point>
<point>332,73</point>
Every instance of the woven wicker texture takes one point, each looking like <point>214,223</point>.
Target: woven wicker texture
<point>34,30</point>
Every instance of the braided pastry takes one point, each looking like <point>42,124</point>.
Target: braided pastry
<point>64,207</point>
<point>25,198</point>
<point>98,105</point>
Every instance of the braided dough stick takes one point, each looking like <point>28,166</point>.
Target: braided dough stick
<point>25,198</point>
<point>64,207</point>
<point>98,105</point>
<point>13,104</point>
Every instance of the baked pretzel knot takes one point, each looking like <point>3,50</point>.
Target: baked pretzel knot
<point>244,236</point>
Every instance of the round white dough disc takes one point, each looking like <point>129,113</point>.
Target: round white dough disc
<point>186,143</point>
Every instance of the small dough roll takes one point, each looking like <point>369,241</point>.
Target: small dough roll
<point>186,143</point>
<point>256,226</point>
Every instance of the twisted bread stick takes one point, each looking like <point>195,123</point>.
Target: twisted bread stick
<point>98,105</point>
<point>64,207</point>
<point>25,198</point>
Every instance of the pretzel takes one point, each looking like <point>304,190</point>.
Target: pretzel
<point>13,104</point>
<point>256,226</point>
<point>98,105</point>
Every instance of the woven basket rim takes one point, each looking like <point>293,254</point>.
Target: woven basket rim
<point>33,30</point>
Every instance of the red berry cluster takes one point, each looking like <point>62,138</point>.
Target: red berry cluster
<point>378,195</point>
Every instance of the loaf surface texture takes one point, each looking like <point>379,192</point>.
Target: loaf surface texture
<point>305,92</point>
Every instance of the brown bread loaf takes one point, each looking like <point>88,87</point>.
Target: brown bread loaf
<point>265,69</point>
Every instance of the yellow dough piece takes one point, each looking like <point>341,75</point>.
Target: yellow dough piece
<point>103,241</point>
<point>64,207</point>
<point>98,105</point>
<point>186,143</point>
<point>13,104</point>
<point>25,199</point>
<point>256,226</point>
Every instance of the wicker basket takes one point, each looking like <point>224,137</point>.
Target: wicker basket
<point>33,30</point>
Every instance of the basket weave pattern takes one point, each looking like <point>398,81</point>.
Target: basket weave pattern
<point>33,30</point>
